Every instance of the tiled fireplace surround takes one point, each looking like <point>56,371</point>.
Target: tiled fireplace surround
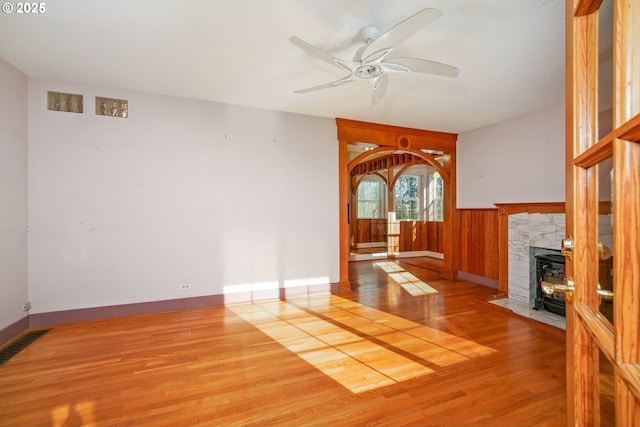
<point>527,230</point>
<point>531,234</point>
<point>524,231</point>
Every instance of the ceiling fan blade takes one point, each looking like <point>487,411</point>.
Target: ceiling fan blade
<point>379,88</point>
<point>401,31</point>
<point>379,55</point>
<point>314,51</point>
<point>340,82</point>
<point>421,66</point>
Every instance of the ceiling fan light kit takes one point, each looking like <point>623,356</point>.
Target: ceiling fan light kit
<point>376,66</point>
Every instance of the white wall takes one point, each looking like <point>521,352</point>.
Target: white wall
<point>182,191</point>
<point>13,194</point>
<point>518,160</point>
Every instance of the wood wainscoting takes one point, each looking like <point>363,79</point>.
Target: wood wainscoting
<point>478,242</point>
<point>370,230</point>
<point>420,236</point>
<point>414,235</point>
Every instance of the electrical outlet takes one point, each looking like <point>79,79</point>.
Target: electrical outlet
<point>26,306</point>
<point>184,286</point>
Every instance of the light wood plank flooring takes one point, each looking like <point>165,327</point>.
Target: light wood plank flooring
<point>403,348</point>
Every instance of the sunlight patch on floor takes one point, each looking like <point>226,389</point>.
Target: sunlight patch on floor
<point>359,347</point>
<point>410,283</point>
<point>77,413</point>
<point>346,357</point>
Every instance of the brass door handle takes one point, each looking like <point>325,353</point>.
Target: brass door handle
<point>604,252</point>
<point>567,247</point>
<point>604,294</point>
<point>567,287</point>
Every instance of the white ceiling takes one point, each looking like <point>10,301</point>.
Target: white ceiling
<point>510,54</point>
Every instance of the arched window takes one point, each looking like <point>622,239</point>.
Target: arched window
<point>436,197</point>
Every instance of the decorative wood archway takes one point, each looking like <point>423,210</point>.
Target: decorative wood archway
<point>404,140</point>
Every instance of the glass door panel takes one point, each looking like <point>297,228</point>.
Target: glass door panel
<point>605,238</point>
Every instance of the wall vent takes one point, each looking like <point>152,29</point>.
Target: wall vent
<point>19,344</point>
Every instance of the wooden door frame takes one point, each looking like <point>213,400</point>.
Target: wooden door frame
<point>581,129</point>
<point>403,139</point>
<point>586,330</point>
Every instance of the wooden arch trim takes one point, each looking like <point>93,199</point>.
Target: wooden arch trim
<point>428,159</point>
<point>361,178</point>
<point>395,138</point>
<point>397,175</point>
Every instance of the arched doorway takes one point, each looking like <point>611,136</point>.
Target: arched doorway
<point>412,143</point>
<point>396,204</point>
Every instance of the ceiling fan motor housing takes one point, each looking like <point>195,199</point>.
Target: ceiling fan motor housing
<point>368,71</point>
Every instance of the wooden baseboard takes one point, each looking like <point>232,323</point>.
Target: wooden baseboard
<point>15,329</point>
<point>486,281</point>
<point>105,312</point>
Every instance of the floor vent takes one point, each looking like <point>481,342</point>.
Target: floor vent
<point>19,344</point>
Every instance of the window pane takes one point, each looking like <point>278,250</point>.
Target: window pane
<point>369,199</point>
<point>407,186</point>
<point>407,198</point>
<point>369,190</point>
<point>436,211</point>
<point>368,209</point>
<point>436,192</point>
<point>406,209</point>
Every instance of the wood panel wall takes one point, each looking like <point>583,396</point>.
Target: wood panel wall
<point>421,236</point>
<point>414,235</point>
<point>370,230</point>
<point>478,242</point>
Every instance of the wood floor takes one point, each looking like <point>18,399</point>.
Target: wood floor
<point>403,348</point>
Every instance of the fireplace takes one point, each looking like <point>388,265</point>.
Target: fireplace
<point>550,268</point>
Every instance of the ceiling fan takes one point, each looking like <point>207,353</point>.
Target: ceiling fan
<point>376,66</point>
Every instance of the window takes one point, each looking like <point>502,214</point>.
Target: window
<point>407,198</point>
<point>369,198</point>
<point>436,204</point>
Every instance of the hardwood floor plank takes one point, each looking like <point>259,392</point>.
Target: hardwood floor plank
<point>376,356</point>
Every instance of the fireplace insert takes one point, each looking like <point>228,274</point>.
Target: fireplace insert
<point>550,268</point>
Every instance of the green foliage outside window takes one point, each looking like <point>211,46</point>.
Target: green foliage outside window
<point>407,198</point>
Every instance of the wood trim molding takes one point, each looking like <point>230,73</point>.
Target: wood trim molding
<point>629,131</point>
<point>504,210</point>
<point>105,312</point>
<point>395,136</point>
<point>536,207</point>
<point>587,7</point>
<point>422,158</point>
